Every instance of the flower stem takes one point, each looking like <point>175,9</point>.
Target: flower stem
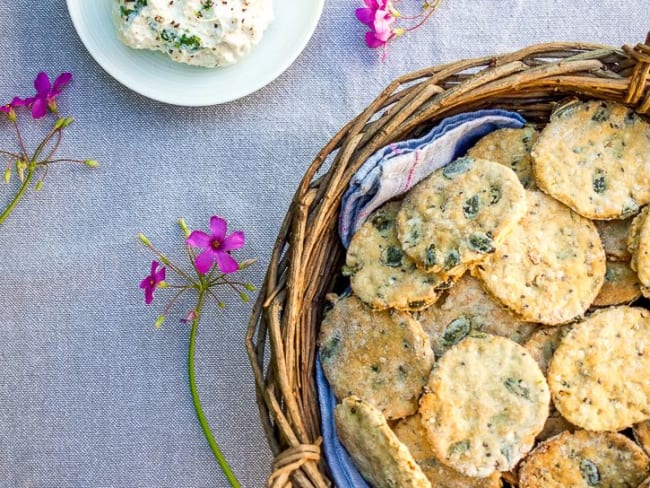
<point>19,195</point>
<point>195,396</point>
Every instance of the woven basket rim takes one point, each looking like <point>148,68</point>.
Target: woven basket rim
<point>306,258</point>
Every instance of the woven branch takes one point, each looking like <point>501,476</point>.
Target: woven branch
<point>307,255</point>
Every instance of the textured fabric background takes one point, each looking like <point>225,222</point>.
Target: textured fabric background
<point>90,394</point>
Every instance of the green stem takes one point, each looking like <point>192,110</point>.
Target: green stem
<point>19,195</point>
<point>195,396</point>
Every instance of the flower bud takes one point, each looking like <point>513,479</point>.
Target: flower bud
<point>21,166</point>
<point>246,263</point>
<point>221,305</point>
<point>7,175</point>
<point>162,284</point>
<point>91,162</point>
<point>184,227</point>
<point>244,297</point>
<point>144,240</point>
<point>39,185</point>
<point>12,115</point>
<point>250,287</point>
<point>159,321</point>
<point>164,260</point>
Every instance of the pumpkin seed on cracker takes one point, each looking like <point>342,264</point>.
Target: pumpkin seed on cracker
<point>381,274</point>
<point>411,433</point>
<point>383,357</point>
<point>595,158</point>
<point>381,458</point>
<point>511,148</point>
<point>550,268</point>
<point>585,459</point>
<point>486,401</point>
<point>459,214</point>
<point>600,373</point>
<point>464,308</point>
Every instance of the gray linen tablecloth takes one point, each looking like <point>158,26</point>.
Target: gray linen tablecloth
<point>90,394</point>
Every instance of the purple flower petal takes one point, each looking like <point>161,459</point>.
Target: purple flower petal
<point>218,226</point>
<point>20,102</point>
<point>371,4</point>
<point>204,261</point>
<point>145,282</point>
<point>62,80</point>
<point>226,262</point>
<point>42,84</point>
<point>233,241</point>
<point>160,275</point>
<point>372,42</point>
<point>148,295</point>
<point>199,239</point>
<point>365,15</point>
<point>39,108</point>
<point>154,267</point>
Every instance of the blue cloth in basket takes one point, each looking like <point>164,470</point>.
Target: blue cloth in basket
<point>388,173</point>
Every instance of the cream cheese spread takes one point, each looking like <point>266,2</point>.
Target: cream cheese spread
<point>207,33</point>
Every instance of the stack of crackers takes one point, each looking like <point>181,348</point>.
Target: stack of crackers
<point>494,334</point>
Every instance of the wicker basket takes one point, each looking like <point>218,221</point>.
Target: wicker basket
<point>308,255</point>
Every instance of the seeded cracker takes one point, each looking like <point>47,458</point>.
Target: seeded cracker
<point>550,268</point>
<point>642,435</point>
<point>613,234</point>
<point>634,234</point>
<point>459,214</point>
<point>410,431</point>
<point>383,357</point>
<point>600,373</point>
<point>621,285</point>
<point>541,346</point>
<point>643,254</point>
<point>381,274</point>
<point>585,459</point>
<point>595,158</point>
<point>381,458</point>
<point>511,148</point>
<point>487,400</point>
<point>466,307</point>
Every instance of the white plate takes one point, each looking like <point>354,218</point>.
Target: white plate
<point>156,76</point>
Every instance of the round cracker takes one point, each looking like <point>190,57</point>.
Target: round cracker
<point>486,401</point>
<point>383,357</point>
<point>457,216</point>
<point>550,267</point>
<point>464,308</point>
<point>621,285</point>
<point>595,158</point>
<point>380,457</point>
<point>411,433</point>
<point>634,234</point>
<point>643,254</point>
<point>585,459</point>
<point>541,345</point>
<point>642,435</point>
<point>381,274</point>
<point>613,235</point>
<point>600,373</point>
<point>511,148</point>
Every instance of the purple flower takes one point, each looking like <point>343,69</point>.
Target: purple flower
<point>46,93</point>
<point>379,16</point>
<point>9,108</point>
<point>153,281</point>
<point>216,246</point>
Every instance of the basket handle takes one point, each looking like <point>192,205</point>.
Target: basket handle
<point>639,79</point>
